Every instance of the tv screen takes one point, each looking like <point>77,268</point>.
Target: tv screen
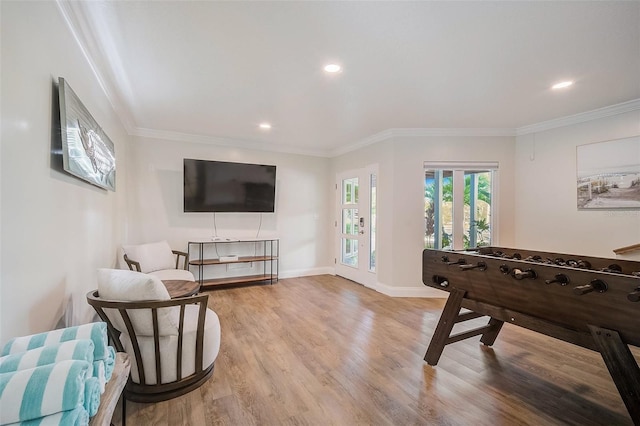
<point>218,186</point>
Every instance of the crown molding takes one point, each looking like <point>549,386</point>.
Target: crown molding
<point>220,141</point>
<point>369,140</point>
<point>582,117</point>
<point>463,132</point>
<point>422,132</point>
<point>608,111</point>
<point>80,30</point>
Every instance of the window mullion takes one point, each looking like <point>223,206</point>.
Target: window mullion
<point>458,209</point>
<point>437,200</point>
<point>473,203</point>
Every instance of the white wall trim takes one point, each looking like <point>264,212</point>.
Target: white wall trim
<point>421,132</point>
<point>369,140</point>
<point>595,114</point>
<point>423,291</point>
<point>235,143</point>
<point>294,273</point>
<point>466,132</point>
<point>384,135</point>
<point>75,22</point>
<point>385,289</point>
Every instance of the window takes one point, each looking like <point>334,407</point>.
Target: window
<point>459,205</point>
<point>373,186</point>
<point>350,221</point>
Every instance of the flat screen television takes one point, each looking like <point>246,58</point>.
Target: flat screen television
<point>219,186</point>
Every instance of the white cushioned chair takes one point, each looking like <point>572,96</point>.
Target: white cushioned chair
<point>173,343</point>
<point>158,259</point>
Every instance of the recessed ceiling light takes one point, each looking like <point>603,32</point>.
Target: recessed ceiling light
<point>265,126</point>
<point>562,85</point>
<point>332,68</point>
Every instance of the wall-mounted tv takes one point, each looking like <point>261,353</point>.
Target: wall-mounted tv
<point>219,186</point>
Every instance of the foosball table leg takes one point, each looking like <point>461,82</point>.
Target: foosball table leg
<point>490,336</point>
<point>622,366</point>
<point>445,325</point>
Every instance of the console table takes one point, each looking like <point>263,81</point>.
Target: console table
<point>256,260</point>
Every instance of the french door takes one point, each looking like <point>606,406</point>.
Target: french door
<point>356,198</point>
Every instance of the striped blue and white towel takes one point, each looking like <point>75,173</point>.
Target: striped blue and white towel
<point>92,393</point>
<point>99,373</point>
<point>103,368</point>
<point>95,331</point>
<point>76,417</point>
<point>81,350</point>
<point>109,362</point>
<point>73,349</point>
<point>41,391</point>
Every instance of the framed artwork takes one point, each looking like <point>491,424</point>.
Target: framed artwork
<point>609,174</point>
<point>87,152</point>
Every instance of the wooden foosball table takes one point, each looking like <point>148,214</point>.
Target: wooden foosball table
<point>588,301</point>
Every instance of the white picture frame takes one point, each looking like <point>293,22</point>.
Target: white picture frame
<point>608,174</point>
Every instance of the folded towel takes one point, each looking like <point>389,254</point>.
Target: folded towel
<point>103,369</point>
<point>37,392</point>
<point>109,362</point>
<point>95,331</point>
<point>76,417</point>
<point>92,396</point>
<point>99,373</point>
<point>81,350</point>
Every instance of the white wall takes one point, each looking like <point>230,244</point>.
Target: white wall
<point>401,198</point>
<point>56,230</point>
<point>546,214</point>
<point>302,214</point>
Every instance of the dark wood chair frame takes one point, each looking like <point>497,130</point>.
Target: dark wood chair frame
<point>134,265</point>
<point>144,392</point>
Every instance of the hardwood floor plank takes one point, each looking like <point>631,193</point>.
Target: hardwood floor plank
<point>323,350</point>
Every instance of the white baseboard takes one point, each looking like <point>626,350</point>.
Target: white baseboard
<point>423,291</point>
<point>293,273</point>
<point>388,290</point>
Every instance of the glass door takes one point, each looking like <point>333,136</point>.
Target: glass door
<point>355,225</point>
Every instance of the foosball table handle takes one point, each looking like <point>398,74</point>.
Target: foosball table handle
<point>480,265</point>
<point>519,274</point>
<point>595,285</point>
<point>561,279</point>
<point>634,296</point>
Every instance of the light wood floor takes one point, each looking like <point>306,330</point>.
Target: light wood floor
<point>323,350</point>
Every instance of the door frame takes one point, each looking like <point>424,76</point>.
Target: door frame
<point>362,274</point>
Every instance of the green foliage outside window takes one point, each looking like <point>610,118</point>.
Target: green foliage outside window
<point>481,225</point>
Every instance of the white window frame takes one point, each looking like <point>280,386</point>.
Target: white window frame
<point>458,168</point>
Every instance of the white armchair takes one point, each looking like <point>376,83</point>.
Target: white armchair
<point>158,259</point>
<point>172,343</point>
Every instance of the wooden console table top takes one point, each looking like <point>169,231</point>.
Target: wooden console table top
<point>181,288</point>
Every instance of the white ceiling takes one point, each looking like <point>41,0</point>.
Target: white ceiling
<point>215,70</point>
